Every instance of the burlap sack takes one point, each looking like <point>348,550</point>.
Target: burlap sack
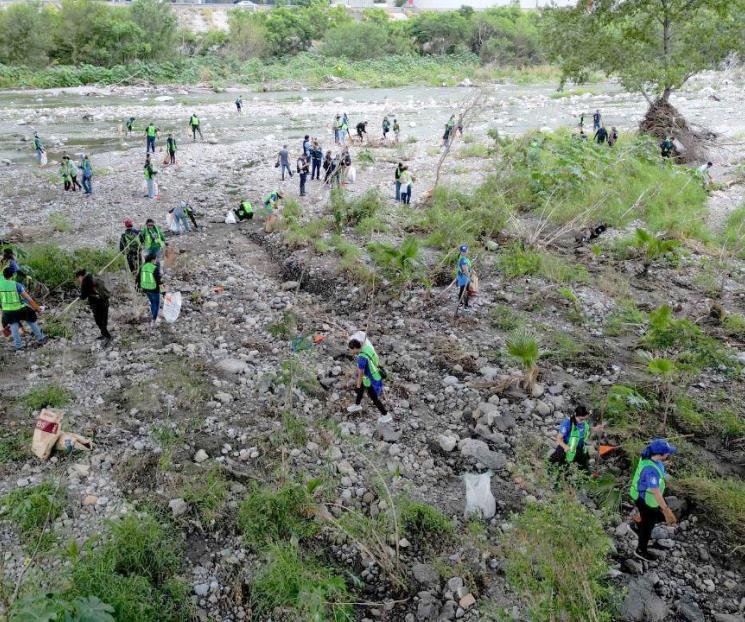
<point>47,431</point>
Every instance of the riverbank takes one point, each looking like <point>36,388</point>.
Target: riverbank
<point>305,70</point>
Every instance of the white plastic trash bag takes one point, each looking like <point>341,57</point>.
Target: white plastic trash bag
<point>171,306</point>
<point>479,498</point>
<point>230,218</point>
<point>351,174</point>
<point>173,225</point>
<point>44,159</point>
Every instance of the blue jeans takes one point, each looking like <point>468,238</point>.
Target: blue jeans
<point>150,188</point>
<point>284,166</point>
<point>178,217</point>
<point>38,155</point>
<point>398,190</point>
<point>150,144</point>
<point>315,171</point>
<point>87,185</point>
<point>16,332</point>
<point>303,177</point>
<point>154,298</point>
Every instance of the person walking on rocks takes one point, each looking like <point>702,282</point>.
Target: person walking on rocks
<point>449,126</point>
<point>316,157</point>
<point>17,306</point>
<point>153,240</point>
<point>39,148</point>
<point>396,129</point>
<point>612,136</point>
<point>306,147</point>
<point>573,438</point>
<point>601,135</point>
<point>386,126</point>
<point>150,174</point>
<point>87,171</point>
<point>130,246</point>
<point>151,133</point>
<point>94,290</point>
<point>239,104</point>
<point>361,130</point>
<point>397,178</point>
<point>369,377</point>
<point>179,217</point>
<point>596,120</point>
<point>72,172</point>
<point>407,184</point>
<point>647,492</point>
<point>64,173</point>
<point>283,161</point>
<point>463,275</point>
<point>171,149</point>
<point>302,171</point>
<point>149,281</point>
<point>194,125</point>
<point>130,125</point>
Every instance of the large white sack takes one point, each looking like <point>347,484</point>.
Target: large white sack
<point>479,498</point>
<point>230,218</point>
<point>351,174</point>
<point>171,306</point>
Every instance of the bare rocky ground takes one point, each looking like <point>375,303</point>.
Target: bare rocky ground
<point>166,404</point>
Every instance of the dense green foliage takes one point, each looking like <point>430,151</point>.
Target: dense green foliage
<point>33,510</point>
<point>53,608</point>
<point>652,47</point>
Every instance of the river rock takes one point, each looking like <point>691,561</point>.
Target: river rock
<point>447,442</point>
<point>426,575</point>
<point>233,366</point>
<point>641,603</point>
<point>689,610</point>
<point>178,507</point>
<point>480,451</point>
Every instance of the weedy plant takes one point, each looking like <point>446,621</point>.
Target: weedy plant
<point>49,395</point>
<point>402,263</point>
<point>33,510</point>
<point>652,248</point>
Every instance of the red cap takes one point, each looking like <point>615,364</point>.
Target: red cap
<point>128,223</point>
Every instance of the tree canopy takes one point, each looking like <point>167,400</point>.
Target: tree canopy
<point>651,46</point>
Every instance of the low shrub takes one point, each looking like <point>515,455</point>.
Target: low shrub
<point>14,446</point>
<point>33,509</point>
<point>267,515</point>
<point>516,260</point>
<point>556,556</point>
<point>350,212</point>
<point>53,608</point>
<point>422,520</point>
<point>48,395</point>
<point>722,500</point>
<point>207,492</point>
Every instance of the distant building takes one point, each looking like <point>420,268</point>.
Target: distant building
<point>480,5</point>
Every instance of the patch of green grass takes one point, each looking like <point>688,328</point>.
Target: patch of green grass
<point>208,492</point>
<point>53,608</point>
<point>48,395</point>
<point>300,586</point>
<point>475,150</point>
<point>14,446</point>
<point>721,500</point>
<point>370,225</point>
<point>625,319</point>
<point>269,515</point>
<point>59,327</point>
<point>285,327</point>
<point>692,417</point>
<point>557,560</point>
<point>133,568</point>
<point>402,263</point>
<point>33,510</point>
<point>732,237</point>
<point>59,222</point>
<point>423,521</point>
<point>505,318</point>
<point>734,326</point>
<point>294,431</point>
<point>516,260</point>
<point>346,211</point>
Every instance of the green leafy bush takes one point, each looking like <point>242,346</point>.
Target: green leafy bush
<point>33,509</point>
<point>49,395</point>
<point>55,266</point>
<point>556,557</point>
<point>133,568</point>
<point>517,260</point>
<point>52,608</point>
<point>267,515</point>
<point>350,212</point>
<point>423,520</point>
<point>300,586</point>
<point>400,263</point>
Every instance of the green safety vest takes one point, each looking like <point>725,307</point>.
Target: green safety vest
<point>153,240</point>
<point>151,131</point>
<point>574,441</point>
<point>148,170</point>
<point>194,121</point>
<point>64,172</point>
<point>368,352</point>
<point>147,277</point>
<point>171,143</point>
<point>37,144</point>
<point>648,496</point>
<point>246,208</point>
<point>270,198</point>
<point>10,299</point>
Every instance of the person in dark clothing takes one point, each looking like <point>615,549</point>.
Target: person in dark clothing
<point>316,155</point>
<point>329,164</point>
<point>666,147</point>
<point>596,120</point>
<point>397,177</point>
<point>171,148</point>
<point>361,130</point>
<point>130,125</point>
<point>612,137</point>
<point>601,135</point>
<point>130,245</point>
<point>94,290</point>
<point>302,169</point>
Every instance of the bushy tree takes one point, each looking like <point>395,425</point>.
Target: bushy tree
<point>366,39</point>
<point>247,35</point>
<point>158,23</point>
<point>507,35</point>
<point>25,34</point>
<point>651,46</point>
<point>442,33</point>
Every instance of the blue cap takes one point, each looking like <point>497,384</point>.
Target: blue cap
<point>660,446</point>
<point>463,248</point>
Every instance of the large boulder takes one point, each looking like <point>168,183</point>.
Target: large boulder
<point>642,604</point>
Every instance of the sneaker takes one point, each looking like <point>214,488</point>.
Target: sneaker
<point>385,419</point>
<point>354,408</point>
<point>645,555</point>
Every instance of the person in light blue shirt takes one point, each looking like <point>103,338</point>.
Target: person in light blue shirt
<point>463,275</point>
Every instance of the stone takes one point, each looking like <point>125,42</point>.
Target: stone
<point>480,451</point>
<point>504,423</point>
<point>427,608</point>
<point>426,575</point>
<point>455,584</point>
<point>450,381</point>
<point>641,603</point>
<point>202,589</point>
<point>90,500</point>
<point>728,617</point>
<point>689,610</point>
<point>232,366</point>
<point>386,432</point>
<point>446,442</point>
<point>467,601</point>
<point>178,507</point>
<point>542,408</point>
<point>224,398</point>
<point>200,456</point>
<point>448,612</point>
<point>289,285</point>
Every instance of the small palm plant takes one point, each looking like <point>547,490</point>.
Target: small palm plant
<point>652,248</point>
<point>402,263</point>
<point>524,347</point>
<point>664,370</point>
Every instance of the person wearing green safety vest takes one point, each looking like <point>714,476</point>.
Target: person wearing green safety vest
<point>17,306</point>
<point>149,281</point>
<point>38,147</point>
<point>573,439</point>
<point>171,149</point>
<point>271,200</point>
<point>150,174</point>
<point>153,240</point>
<point>64,173</point>
<point>647,492</point>
<point>194,125</point>
<point>370,374</point>
<point>463,275</point>
<point>151,133</point>
<point>245,211</point>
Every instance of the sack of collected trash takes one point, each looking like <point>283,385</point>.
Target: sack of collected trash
<point>46,432</point>
<point>171,306</point>
<point>479,497</point>
<point>271,223</point>
<point>230,218</point>
<point>351,174</point>
<point>473,284</point>
<point>173,225</point>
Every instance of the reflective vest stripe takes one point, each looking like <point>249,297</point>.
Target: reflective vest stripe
<point>368,353</point>
<point>574,441</point>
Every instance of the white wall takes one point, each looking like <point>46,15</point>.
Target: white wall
<point>434,5</point>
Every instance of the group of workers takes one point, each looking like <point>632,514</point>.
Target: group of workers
<point>601,135</point>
